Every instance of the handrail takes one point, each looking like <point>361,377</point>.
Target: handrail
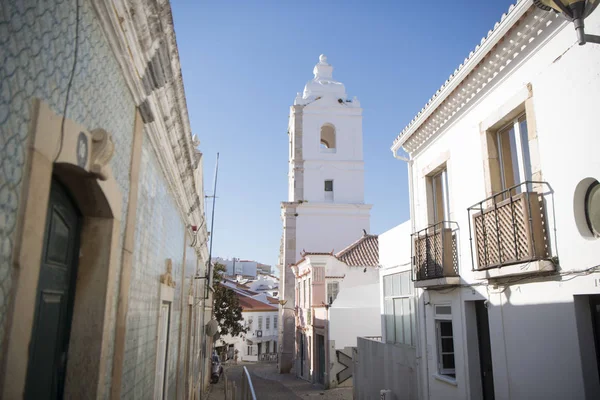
<point>247,386</point>
<point>526,183</point>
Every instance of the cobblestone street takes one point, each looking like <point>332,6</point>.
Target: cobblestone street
<point>270,385</point>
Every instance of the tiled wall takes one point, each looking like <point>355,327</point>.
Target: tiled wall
<point>159,235</point>
<point>37,43</point>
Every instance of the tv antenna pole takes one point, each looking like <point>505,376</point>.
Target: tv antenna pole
<point>212,236</point>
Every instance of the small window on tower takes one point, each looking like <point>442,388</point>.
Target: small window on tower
<point>329,190</point>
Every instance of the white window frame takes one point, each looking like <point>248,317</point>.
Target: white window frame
<point>330,291</point>
<point>275,322</point>
<point>260,322</point>
<point>442,175</point>
<point>304,293</point>
<point>519,152</point>
<point>392,295</point>
<point>443,318</point>
<point>268,323</point>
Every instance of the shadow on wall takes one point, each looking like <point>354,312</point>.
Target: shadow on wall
<point>540,350</point>
<point>379,366</point>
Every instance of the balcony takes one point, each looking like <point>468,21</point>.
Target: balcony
<point>509,231</point>
<point>435,256</point>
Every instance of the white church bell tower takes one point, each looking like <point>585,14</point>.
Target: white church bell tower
<point>325,210</point>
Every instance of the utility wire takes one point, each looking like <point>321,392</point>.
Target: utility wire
<point>70,84</point>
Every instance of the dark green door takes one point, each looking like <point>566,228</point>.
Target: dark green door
<point>54,303</point>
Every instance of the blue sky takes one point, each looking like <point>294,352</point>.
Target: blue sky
<point>244,61</point>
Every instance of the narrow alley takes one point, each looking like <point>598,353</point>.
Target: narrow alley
<point>270,385</point>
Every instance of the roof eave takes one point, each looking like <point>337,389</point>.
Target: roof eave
<point>514,14</point>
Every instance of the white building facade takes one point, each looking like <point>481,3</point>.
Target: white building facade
<point>503,172</point>
<point>337,300</point>
<point>325,210</point>
<point>260,318</point>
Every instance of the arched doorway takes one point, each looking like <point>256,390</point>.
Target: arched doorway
<point>55,297</point>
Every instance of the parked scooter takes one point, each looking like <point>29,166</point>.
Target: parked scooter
<point>216,370</point>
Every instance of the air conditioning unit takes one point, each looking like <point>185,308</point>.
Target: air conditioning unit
<point>258,333</point>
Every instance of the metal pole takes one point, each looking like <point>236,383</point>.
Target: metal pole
<point>208,281</point>
<point>212,225</point>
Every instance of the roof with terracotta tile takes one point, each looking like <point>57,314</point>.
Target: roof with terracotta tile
<point>250,304</point>
<point>364,252</point>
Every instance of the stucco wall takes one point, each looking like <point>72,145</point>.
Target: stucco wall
<point>345,166</point>
<point>37,43</point>
<point>323,229</point>
<point>395,246</point>
<point>379,366</point>
<point>535,347</point>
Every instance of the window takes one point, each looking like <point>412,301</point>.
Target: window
<point>445,340</point>
<point>304,293</point>
<point>268,323</point>
<point>327,137</point>
<point>592,208</point>
<point>250,324</point>
<point>329,190</point>
<point>399,309</point>
<point>260,323</point>
<point>249,350</point>
<point>512,143</point>
<point>332,291</point>
<point>439,205</point>
<point>309,293</point>
<point>275,322</point>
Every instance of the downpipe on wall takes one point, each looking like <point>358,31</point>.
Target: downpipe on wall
<point>422,351</point>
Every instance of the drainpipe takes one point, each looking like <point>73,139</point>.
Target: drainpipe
<point>422,352</point>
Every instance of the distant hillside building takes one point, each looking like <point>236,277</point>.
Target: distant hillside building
<point>246,268</point>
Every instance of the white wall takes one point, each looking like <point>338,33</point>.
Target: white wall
<point>380,366</point>
<point>395,246</point>
<point>240,342</point>
<point>536,353</point>
<point>323,228</point>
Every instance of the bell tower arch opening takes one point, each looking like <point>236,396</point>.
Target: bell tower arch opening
<point>328,136</point>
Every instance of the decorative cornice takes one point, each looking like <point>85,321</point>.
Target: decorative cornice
<point>142,37</point>
<point>496,51</point>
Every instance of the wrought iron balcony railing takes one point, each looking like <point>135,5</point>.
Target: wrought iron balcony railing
<point>510,227</point>
<point>435,253</point>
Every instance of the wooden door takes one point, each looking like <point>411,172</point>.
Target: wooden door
<point>49,344</point>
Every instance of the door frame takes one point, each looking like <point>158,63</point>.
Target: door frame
<point>62,193</point>
<point>82,167</point>
<point>480,307</point>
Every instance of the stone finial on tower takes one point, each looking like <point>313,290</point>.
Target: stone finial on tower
<point>323,70</point>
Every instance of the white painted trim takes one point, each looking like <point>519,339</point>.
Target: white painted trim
<point>516,269</point>
<point>441,159</point>
<point>437,115</point>
<point>487,44</point>
<point>167,293</point>
<point>445,379</point>
<point>506,109</point>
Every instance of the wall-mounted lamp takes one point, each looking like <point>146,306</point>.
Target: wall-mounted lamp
<point>575,11</point>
